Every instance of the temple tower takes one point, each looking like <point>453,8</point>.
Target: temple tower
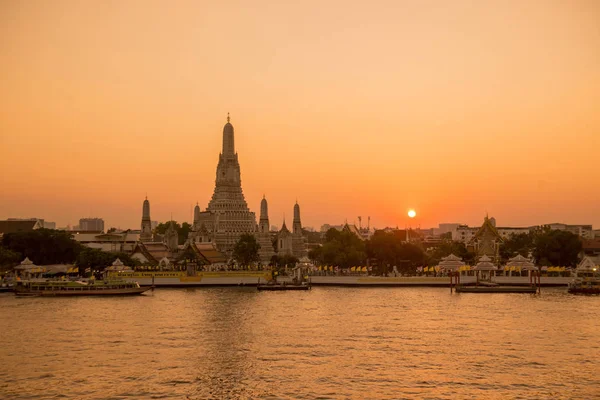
<point>263,235</point>
<point>227,216</point>
<point>196,215</point>
<point>284,241</point>
<point>263,226</point>
<point>299,242</point>
<point>297,225</point>
<point>146,235</point>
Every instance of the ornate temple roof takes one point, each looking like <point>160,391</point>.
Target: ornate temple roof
<point>152,251</point>
<point>284,228</point>
<point>487,226</point>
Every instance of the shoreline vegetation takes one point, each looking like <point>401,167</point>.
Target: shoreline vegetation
<point>385,254</point>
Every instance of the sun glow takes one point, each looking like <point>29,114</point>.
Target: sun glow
<point>412,213</point>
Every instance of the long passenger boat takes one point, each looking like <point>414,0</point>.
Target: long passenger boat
<point>77,288</point>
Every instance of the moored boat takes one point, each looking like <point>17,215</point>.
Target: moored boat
<point>587,278</point>
<point>585,286</point>
<point>298,282</point>
<point>280,286</point>
<point>77,288</point>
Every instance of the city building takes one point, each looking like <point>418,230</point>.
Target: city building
<point>91,225</point>
<point>110,242</point>
<point>16,225</point>
<point>42,223</point>
<point>583,231</point>
<point>591,248</point>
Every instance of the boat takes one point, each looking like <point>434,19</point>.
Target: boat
<point>298,282</point>
<point>585,286</point>
<point>495,289</point>
<point>7,288</point>
<point>280,286</point>
<point>587,278</point>
<point>77,288</point>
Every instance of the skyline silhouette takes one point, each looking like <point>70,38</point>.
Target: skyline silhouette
<point>453,110</point>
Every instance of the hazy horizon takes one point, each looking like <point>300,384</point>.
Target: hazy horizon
<point>454,109</point>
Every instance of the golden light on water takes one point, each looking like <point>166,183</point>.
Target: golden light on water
<point>412,213</point>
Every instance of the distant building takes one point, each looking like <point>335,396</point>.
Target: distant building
<point>110,242</point>
<point>591,249</point>
<point>465,234</point>
<point>445,228</point>
<point>91,224</point>
<point>583,231</point>
<point>43,223</point>
<point>13,226</point>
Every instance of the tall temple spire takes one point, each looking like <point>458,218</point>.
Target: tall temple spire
<point>263,225</point>
<point>228,139</point>
<point>146,234</point>
<point>297,225</point>
<point>227,216</point>
<point>196,214</point>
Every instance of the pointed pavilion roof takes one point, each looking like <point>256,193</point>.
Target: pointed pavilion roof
<point>451,262</point>
<point>26,264</point>
<point>521,262</point>
<point>485,264</point>
<point>586,264</point>
<point>118,263</point>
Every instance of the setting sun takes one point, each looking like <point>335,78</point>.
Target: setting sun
<point>412,213</point>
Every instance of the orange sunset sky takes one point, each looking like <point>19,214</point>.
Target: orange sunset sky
<point>453,108</point>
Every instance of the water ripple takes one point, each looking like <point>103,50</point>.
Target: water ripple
<point>329,343</point>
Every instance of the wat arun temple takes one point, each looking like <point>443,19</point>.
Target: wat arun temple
<point>228,216</point>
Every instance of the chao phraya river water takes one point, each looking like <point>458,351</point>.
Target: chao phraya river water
<point>326,343</point>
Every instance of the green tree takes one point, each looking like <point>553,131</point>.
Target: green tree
<point>316,254</point>
<point>343,249</point>
<point>312,237</point>
<point>8,258</point>
<point>515,244</point>
<point>97,260</point>
<point>43,246</point>
<point>556,248</point>
<point>449,247</point>
<point>183,230</point>
<point>245,251</point>
<point>390,250</point>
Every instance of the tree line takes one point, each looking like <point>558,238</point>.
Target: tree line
<point>48,246</point>
<point>383,249</point>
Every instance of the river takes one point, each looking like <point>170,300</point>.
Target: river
<point>327,343</point>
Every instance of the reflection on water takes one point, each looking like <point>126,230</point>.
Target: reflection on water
<point>324,343</point>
